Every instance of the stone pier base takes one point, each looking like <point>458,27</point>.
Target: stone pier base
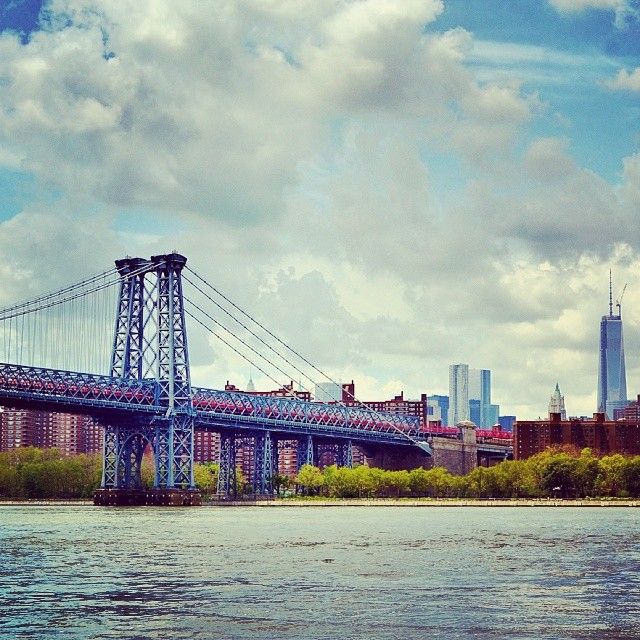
<point>147,497</point>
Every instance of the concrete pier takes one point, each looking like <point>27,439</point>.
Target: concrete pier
<point>147,497</point>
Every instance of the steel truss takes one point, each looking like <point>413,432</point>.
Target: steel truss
<point>344,454</point>
<point>264,468</point>
<point>150,344</point>
<point>213,409</point>
<point>124,447</point>
<point>227,478</point>
<point>307,452</point>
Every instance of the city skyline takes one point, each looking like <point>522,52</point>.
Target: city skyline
<point>393,187</point>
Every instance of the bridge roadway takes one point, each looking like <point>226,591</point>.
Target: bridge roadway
<point>129,401</point>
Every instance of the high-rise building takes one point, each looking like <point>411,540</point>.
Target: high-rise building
<point>475,411</point>
<point>458,393</point>
<point>480,390</point>
<point>328,392</point>
<point>492,415</point>
<point>506,422</point>
<point>612,379</point>
<point>206,446</point>
<point>438,409</point>
<point>70,433</point>
<point>556,404</point>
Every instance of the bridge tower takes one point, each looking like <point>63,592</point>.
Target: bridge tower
<point>150,344</point>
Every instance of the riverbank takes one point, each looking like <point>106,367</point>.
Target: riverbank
<point>371,502</point>
<point>390,502</point>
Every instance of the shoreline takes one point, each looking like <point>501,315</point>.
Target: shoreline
<point>371,502</point>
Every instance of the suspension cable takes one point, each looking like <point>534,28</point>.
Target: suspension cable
<point>275,366</point>
<point>50,301</point>
<point>420,444</point>
<point>253,364</point>
<point>253,333</point>
<point>270,333</point>
<point>59,292</point>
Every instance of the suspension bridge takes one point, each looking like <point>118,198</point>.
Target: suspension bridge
<point>62,353</point>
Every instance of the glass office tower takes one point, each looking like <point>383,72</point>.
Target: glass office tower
<point>612,378</point>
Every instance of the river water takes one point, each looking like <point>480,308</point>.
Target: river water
<point>319,572</point>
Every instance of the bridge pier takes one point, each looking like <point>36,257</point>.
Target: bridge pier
<point>123,449</point>
<point>307,452</point>
<point>150,344</point>
<point>344,454</point>
<point>147,497</point>
<point>227,482</point>
<point>263,463</point>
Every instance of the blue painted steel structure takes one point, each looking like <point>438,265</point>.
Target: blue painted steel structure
<point>148,398</point>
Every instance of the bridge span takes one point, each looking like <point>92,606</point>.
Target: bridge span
<point>147,397</point>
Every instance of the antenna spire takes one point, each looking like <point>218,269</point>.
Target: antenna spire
<point>610,295</point>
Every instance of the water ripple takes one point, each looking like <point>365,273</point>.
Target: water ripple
<point>82,572</point>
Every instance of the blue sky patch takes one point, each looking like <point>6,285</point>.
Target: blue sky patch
<point>20,16</point>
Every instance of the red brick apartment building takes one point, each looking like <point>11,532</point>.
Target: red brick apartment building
<point>602,436</point>
<point>67,432</point>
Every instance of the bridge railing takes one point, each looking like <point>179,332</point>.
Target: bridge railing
<point>494,434</point>
<point>294,410</point>
<point>54,383</point>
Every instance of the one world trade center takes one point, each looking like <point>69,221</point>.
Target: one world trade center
<point>612,378</point>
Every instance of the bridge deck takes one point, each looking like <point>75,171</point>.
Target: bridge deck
<point>213,409</point>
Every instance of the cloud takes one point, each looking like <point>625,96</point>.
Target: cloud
<point>581,5</point>
<point>625,80</point>
<point>104,91</point>
<point>626,11</point>
<point>353,179</point>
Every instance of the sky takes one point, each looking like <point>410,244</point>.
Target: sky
<point>392,187</point>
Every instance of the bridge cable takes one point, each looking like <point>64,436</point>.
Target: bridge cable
<point>275,366</point>
<point>67,289</point>
<point>69,328</point>
<point>51,302</point>
<point>420,444</point>
<point>291,393</point>
<point>255,335</point>
<point>253,364</point>
<point>275,337</point>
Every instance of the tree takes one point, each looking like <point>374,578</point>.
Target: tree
<point>309,479</point>
<point>396,483</point>
<point>280,483</point>
<point>610,480</point>
<point>206,477</point>
<point>419,482</point>
<point>558,477</point>
<point>586,471</point>
<point>632,477</point>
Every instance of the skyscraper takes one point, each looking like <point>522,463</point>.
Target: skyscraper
<point>439,408</point>
<point>458,393</point>
<point>480,389</point>
<point>612,379</point>
<point>556,404</point>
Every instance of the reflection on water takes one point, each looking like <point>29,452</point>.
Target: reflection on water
<point>332,572</point>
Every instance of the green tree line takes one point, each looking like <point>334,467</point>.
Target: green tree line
<point>30,473</point>
<point>553,473</point>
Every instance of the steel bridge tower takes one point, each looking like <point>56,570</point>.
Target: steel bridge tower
<point>150,344</point>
